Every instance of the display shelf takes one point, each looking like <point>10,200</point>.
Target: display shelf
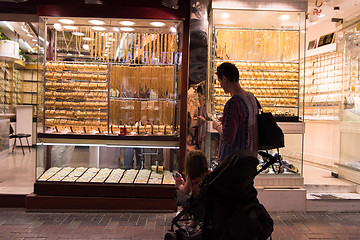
<point>323,86</point>
<point>106,176</point>
<point>274,83</point>
<point>167,141</point>
<point>73,91</point>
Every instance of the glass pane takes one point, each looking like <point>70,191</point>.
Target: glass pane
<point>111,79</point>
<point>99,164</point>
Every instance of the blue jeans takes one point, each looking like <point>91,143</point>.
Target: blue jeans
<point>129,158</point>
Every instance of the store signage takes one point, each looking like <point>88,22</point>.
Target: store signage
<point>326,39</point>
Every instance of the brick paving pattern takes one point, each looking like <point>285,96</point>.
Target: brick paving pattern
<point>18,224</point>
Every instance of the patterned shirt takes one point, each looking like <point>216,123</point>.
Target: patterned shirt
<point>239,126</point>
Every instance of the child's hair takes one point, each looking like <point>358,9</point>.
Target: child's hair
<point>196,164</point>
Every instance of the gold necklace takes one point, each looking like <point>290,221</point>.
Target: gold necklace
<point>67,44</point>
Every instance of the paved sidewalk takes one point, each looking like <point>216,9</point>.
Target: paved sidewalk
<point>18,224</point>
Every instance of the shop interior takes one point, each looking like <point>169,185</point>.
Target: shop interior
<point>316,85</point>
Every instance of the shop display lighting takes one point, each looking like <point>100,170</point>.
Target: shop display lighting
<point>78,34</point>
<point>96,22</point>
<point>127,23</point>
<point>86,47</point>
<point>116,29</point>
<point>172,29</point>
<point>58,27</point>
<point>87,39</point>
<point>69,27</point>
<point>28,46</point>
<point>24,29</point>
<point>225,15</point>
<point>157,24</point>
<point>126,29</point>
<point>98,28</point>
<point>9,25</point>
<point>284,17</point>
<point>66,21</point>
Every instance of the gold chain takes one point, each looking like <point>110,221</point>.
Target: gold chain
<point>67,44</point>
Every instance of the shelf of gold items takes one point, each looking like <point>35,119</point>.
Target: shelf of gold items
<point>276,45</point>
<point>323,86</point>
<point>275,84</point>
<point>142,99</point>
<point>76,97</point>
<point>106,176</point>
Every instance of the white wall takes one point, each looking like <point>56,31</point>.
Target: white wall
<point>322,143</point>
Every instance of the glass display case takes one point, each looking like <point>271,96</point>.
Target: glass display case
<point>267,57</point>
<point>109,107</point>
<point>323,86</point>
<point>349,166</point>
<point>267,54</point>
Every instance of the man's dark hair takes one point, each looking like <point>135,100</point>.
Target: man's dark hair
<point>228,70</point>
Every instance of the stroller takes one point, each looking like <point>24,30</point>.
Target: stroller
<point>227,207</point>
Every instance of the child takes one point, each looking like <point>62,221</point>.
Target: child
<point>196,167</point>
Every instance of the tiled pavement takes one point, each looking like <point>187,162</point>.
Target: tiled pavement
<point>18,224</point>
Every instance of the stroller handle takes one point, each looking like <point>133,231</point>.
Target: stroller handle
<point>271,161</point>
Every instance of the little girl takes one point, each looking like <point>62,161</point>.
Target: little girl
<point>196,167</point>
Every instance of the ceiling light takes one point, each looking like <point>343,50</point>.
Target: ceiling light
<point>225,15</point>
<point>69,54</point>
<point>96,22</point>
<point>58,26</point>
<point>87,38</point>
<point>127,23</point>
<point>34,40</point>
<point>126,29</point>
<point>24,29</point>
<point>69,27</point>
<point>157,24</point>
<point>98,28</point>
<point>66,21</point>
<point>28,46</point>
<point>78,34</point>
<point>116,29</point>
<point>29,35</point>
<point>284,17</point>
<point>172,29</point>
<point>8,25</point>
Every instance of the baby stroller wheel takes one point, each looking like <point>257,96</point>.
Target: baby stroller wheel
<point>170,236</point>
